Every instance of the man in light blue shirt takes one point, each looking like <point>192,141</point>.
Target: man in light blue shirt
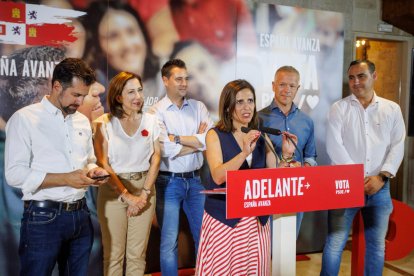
<point>184,124</point>
<point>284,115</point>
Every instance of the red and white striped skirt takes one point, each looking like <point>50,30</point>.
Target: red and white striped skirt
<point>242,250</point>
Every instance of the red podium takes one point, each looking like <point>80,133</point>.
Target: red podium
<point>285,191</point>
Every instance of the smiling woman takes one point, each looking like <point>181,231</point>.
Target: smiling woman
<point>117,40</point>
<point>121,38</point>
<point>126,144</point>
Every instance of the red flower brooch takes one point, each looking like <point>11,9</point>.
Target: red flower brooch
<point>144,133</point>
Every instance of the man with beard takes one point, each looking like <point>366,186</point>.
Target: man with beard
<point>49,156</point>
<point>17,92</point>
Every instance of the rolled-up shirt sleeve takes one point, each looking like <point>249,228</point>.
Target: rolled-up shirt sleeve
<point>18,155</point>
<point>205,117</point>
<point>310,160</point>
<point>168,149</point>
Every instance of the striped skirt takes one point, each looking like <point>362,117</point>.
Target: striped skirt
<point>242,250</point>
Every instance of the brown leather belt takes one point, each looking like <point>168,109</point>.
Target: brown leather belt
<point>132,175</point>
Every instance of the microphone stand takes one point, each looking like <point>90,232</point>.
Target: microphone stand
<point>271,149</point>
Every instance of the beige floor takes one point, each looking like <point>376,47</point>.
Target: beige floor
<point>312,267</point>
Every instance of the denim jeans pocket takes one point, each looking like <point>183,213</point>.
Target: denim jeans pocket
<point>37,216</point>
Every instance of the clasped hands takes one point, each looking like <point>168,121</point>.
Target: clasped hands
<point>135,203</point>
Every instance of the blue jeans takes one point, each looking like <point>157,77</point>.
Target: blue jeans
<point>375,213</point>
<point>172,192</point>
<point>50,235</point>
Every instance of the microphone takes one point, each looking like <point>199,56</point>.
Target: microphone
<point>268,130</point>
<point>247,129</point>
<point>277,132</point>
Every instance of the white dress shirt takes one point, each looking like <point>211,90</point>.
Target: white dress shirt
<point>39,140</point>
<point>373,136</point>
<point>183,121</point>
<point>130,153</point>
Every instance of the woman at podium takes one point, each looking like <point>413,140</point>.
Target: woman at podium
<point>236,246</point>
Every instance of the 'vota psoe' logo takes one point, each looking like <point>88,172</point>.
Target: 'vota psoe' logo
<point>342,187</point>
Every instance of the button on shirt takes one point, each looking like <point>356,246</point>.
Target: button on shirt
<point>39,140</point>
<point>295,122</point>
<point>373,136</point>
<point>183,121</point>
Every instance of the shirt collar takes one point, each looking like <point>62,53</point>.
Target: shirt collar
<point>293,108</point>
<point>169,103</point>
<point>51,108</point>
<point>375,99</point>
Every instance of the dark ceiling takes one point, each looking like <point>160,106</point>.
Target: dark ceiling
<point>399,13</point>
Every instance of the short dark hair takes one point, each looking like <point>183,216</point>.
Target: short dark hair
<point>169,65</point>
<point>70,68</point>
<point>116,85</point>
<point>20,91</point>
<point>371,65</point>
<point>227,105</point>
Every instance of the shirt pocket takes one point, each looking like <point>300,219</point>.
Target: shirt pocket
<point>81,143</point>
<point>381,127</point>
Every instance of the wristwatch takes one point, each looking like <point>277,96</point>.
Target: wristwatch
<point>177,139</point>
<point>383,177</point>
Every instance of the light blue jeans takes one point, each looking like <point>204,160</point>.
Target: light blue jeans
<point>375,213</point>
<point>172,193</point>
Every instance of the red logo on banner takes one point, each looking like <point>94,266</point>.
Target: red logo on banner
<point>288,190</point>
<point>30,24</point>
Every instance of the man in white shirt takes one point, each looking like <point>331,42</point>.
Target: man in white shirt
<point>364,128</point>
<point>184,124</point>
<point>17,92</point>
<point>49,156</point>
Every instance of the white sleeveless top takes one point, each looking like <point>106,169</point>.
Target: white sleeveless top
<point>130,153</point>
<point>249,159</point>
